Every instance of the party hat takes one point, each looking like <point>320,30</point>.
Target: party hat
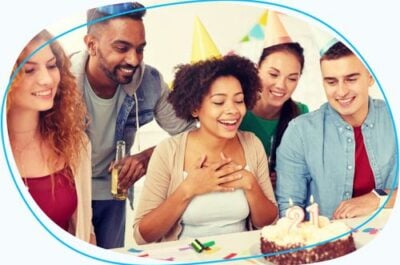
<point>203,46</point>
<point>275,32</point>
<point>323,40</point>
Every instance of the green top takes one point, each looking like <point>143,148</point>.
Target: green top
<point>264,129</point>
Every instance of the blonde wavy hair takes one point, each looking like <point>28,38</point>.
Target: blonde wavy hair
<point>62,127</point>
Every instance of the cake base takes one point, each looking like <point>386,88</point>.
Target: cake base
<point>323,252</point>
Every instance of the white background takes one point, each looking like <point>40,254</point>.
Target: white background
<point>366,25</point>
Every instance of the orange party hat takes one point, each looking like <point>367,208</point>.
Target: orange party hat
<point>275,32</point>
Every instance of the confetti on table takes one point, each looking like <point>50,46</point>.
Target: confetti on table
<point>212,250</point>
<point>230,256</point>
<point>134,250</point>
<point>185,248</point>
<point>371,230</point>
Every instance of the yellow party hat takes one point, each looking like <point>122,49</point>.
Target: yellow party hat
<point>203,46</point>
<point>275,32</point>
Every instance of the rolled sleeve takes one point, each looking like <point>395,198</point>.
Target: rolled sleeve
<point>291,170</point>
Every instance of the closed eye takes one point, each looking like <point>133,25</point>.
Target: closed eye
<point>121,49</point>
<point>273,75</point>
<point>52,66</point>
<point>351,80</point>
<point>29,70</point>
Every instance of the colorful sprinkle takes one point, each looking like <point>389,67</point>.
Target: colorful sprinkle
<point>185,248</point>
<point>209,244</point>
<point>370,230</point>
<point>211,250</point>
<point>198,248</point>
<point>230,256</point>
<point>134,250</point>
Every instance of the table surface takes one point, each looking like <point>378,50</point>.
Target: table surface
<point>244,247</point>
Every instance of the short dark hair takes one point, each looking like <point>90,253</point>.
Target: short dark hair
<point>193,81</point>
<point>338,50</point>
<point>122,8</point>
<point>291,47</point>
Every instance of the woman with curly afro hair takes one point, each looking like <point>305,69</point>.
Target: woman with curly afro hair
<point>213,179</point>
<point>46,119</point>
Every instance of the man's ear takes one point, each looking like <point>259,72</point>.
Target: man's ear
<point>90,42</point>
<point>371,80</point>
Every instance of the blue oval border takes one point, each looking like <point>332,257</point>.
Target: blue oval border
<point>183,3</point>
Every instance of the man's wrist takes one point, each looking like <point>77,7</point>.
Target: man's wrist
<point>381,195</point>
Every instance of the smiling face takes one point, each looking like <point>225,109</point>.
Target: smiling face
<point>222,108</point>
<point>279,73</point>
<point>117,49</point>
<point>37,87</point>
<point>346,82</point>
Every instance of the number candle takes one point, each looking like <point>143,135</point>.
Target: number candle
<point>314,211</point>
<point>295,214</point>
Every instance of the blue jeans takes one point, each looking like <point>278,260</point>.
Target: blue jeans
<point>109,223</point>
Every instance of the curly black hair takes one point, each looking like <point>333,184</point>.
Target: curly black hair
<point>193,81</point>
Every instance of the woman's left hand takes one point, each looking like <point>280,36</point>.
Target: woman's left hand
<point>246,182</point>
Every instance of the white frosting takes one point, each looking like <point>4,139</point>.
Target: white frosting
<point>283,233</point>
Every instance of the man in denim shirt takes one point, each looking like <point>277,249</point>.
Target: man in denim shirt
<point>343,152</point>
<point>121,94</point>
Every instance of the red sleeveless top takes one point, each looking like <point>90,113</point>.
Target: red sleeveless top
<point>59,205</point>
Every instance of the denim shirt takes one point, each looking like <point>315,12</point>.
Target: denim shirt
<point>151,93</point>
<point>317,157</point>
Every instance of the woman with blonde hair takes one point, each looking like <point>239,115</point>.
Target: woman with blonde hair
<point>46,119</point>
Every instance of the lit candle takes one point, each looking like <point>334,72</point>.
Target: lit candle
<point>295,214</point>
<point>313,211</point>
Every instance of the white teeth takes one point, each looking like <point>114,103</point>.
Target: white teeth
<point>128,71</point>
<point>232,122</point>
<point>42,93</point>
<point>346,100</point>
<point>277,94</point>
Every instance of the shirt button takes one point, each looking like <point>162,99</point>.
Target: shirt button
<point>347,194</point>
<point>350,167</point>
<point>371,125</point>
<point>348,127</point>
<point>349,140</point>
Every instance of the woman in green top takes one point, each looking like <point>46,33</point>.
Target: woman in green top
<point>280,67</point>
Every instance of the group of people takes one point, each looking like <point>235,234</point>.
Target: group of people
<point>240,149</point>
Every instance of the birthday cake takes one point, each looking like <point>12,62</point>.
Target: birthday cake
<point>287,234</point>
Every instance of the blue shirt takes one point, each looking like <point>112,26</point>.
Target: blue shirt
<point>317,157</point>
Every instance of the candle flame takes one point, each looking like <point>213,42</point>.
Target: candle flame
<point>290,202</point>
<point>311,199</point>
